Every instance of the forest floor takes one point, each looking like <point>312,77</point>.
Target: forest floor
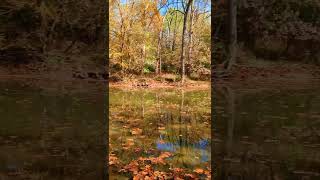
<point>57,67</point>
<point>66,73</point>
<point>262,72</point>
<point>276,74</point>
<point>160,81</point>
<point>279,74</point>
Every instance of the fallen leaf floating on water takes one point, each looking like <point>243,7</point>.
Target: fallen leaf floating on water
<point>199,171</point>
<point>142,169</point>
<point>136,150</point>
<point>129,143</point>
<point>136,131</point>
<point>177,170</point>
<point>190,176</point>
<point>165,155</point>
<point>132,166</point>
<point>156,160</point>
<point>207,172</point>
<point>178,178</point>
<point>113,160</point>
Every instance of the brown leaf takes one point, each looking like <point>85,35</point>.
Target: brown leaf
<point>190,176</point>
<point>132,166</point>
<point>199,171</point>
<point>178,170</point>
<point>113,160</point>
<point>130,142</point>
<point>136,131</point>
<point>165,155</point>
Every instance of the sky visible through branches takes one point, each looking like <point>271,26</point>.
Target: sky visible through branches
<point>203,5</point>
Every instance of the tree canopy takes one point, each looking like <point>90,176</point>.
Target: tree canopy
<point>146,36</point>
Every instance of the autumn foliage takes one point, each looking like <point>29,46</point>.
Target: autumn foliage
<point>146,37</point>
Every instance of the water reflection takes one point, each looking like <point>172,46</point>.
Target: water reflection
<point>50,133</point>
<point>146,123</point>
<point>267,133</point>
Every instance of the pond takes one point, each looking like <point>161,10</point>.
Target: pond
<point>58,131</point>
<point>52,133</point>
<point>266,133</point>
<point>159,133</point>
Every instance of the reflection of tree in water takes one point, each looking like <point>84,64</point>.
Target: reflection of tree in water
<point>47,142</point>
<point>182,140</point>
<point>166,124</point>
<point>265,135</point>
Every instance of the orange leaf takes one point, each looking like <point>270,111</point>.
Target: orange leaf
<point>199,171</point>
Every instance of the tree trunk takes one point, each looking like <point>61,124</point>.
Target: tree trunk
<point>190,41</point>
<point>182,59</point>
<point>143,58</point>
<point>158,68</point>
<point>174,34</point>
<point>232,34</point>
<point>168,43</point>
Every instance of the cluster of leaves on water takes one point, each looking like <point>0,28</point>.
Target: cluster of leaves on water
<point>143,168</point>
<point>143,122</point>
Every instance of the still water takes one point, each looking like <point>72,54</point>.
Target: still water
<point>59,132</point>
<point>168,131</point>
<point>266,133</point>
<point>51,133</point>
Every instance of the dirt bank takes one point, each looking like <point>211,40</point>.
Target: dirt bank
<point>154,83</point>
<point>62,71</point>
<point>273,74</point>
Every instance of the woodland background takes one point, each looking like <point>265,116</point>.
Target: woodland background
<point>160,36</point>
<point>42,36</point>
<point>269,29</point>
<point>51,33</point>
